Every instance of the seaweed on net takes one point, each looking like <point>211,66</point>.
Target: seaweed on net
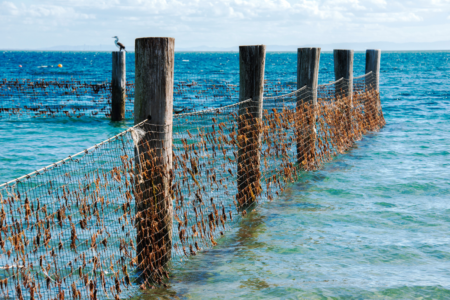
<point>78,97</point>
<point>115,218</point>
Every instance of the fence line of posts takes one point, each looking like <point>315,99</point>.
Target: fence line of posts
<point>154,102</point>
<point>308,60</point>
<point>166,187</point>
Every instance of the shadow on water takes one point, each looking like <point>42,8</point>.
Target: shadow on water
<point>198,270</point>
<point>237,245</point>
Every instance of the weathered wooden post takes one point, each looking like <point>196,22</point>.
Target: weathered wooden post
<point>251,86</point>
<point>373,60</point>
<point>154,102</point>
<point>119,90</point>
<point>343,68</point>
<point>308,60</point>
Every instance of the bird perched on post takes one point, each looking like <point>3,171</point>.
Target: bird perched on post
<point>119,45</point>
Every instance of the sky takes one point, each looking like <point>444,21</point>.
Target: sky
<point>34,24</point>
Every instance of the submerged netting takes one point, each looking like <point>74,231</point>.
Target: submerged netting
<point>114,218</point>
<point>56,97</point>
<point>91,97</point>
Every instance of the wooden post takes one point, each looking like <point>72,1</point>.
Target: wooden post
<point>154,102</point>
<point>373,60</point>
<point>251,86</point>
<point>343,68</point>
<point>119,90</point>
<point>308,60</point>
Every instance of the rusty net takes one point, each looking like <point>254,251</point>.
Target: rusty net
<point>311,128</point>
<point>113,219</point>
<point>44,97</point>
<point>79,97</point>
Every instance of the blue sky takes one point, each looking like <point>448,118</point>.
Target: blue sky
<point>221,23</point>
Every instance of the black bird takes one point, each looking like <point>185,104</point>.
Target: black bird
<point>119,45</point>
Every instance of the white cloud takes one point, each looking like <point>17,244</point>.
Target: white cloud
<point>221,22</point>
<point>8,8</point>
<point>379,3</point>
<point>43,11</point>
<point>394,17</point>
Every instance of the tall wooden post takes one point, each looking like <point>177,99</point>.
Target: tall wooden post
<point>251,86</point>
<point>308,60</point>
<point>373,60</point>
<point>343,68</point>
<point>154,102</point>
<point>119,91</point>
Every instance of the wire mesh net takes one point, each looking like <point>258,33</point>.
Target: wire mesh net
<point>91,97</point>
<point>82,96</point>
<point>114,218</point>
<point>55,97</point>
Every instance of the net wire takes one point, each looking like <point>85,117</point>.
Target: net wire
<point>82,96</point>
<point>114,219</point>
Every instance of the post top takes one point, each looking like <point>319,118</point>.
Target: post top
<point>252,46</point>
<point>152,37</point>
<point>343,50</point>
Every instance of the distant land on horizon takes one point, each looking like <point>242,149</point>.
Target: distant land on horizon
<point>385,46</point>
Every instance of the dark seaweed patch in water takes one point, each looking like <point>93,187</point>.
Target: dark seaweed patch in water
<point>385,204</point>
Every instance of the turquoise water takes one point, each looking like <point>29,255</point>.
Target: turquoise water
<point>373,224</point>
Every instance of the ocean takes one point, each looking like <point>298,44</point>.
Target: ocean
<point>371,224</point>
